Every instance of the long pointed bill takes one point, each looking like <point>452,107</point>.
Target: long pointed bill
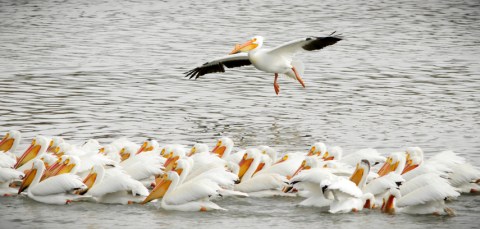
<point>368,204</point>
<point>245,47</point>
<point>65,168</point>
<point>142,148</point>
<point>357,175</point>
<point>409,167</point>
<point>89,181</point>
<point>52,169</point>
<point>170,162</point>
<point>159,190</point>
<point>244,165</point>
<point>312,151</point>
<point>300,168</point>
<point>259,167</point>
<point>389,206</point>
<point>327,157</point>
<point>385,169</point>
<point>219,150</point>
<point>50,147</point>
<point>6,143</point>
<point>29,154</point>
<point>27,180</point>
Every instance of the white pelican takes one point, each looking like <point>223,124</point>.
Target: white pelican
<point>191,196</point>
<point>114,186</point>
<point>429,199</point>
<point>10,141</point>
<point>279,60</point>
<point>53,190</point>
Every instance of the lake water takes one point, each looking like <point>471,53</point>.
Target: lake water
<point>406,74</point>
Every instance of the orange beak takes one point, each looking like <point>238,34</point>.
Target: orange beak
<point>28,155</point>
<point>244,165</point>
<point>27,180</point>
<point>89,181</point>
<point>144,145</point>
<point>409,167</point>
<point>170,162</point>
<point>245,47</point>
<point>357,175</point>
<point>300,168</point>
<point>259,167</point>
<point>388,207</point>
<point>219,150</point>
<point>159,190</point>
<point>6,143</point>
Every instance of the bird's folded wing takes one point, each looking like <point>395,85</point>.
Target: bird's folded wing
<point>192,191</point>
<point>58,184</point>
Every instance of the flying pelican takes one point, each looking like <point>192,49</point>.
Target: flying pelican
<point>279,60</point>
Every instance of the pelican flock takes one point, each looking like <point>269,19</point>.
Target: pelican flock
<point>278,60</point>
<point>175,177</point>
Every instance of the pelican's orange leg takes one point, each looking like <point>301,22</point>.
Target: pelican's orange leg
<point>298,77</point>
<point>275,84</point>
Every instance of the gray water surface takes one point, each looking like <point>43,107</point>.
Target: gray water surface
<point>406,74</point>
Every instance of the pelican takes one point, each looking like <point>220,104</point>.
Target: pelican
<point>279,60</point>
<point>191,196</point>
<point>113,186</point>
<point>53,190</point>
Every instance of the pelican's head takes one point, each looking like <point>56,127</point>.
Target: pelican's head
<point>359,176</point>
<point>56,141</point>
<point>254,43</point>
<point>10,141</point>
<point>388,205</point>
<point>162,187</point>
<point>37,147</point>
<point>395,162</point>
<point>318,149</point>
<point>148,145</point>
<point>67,165</point>
<point>335,153</point>
<point>414,157</point>
<point>224,147</point>
<point>127,151</point>
<point>269,151</point>
<point>198,148</point>
<point>31,175</point>
<point>173,154</point>
<point>246,162</point>
<point>94,177</point>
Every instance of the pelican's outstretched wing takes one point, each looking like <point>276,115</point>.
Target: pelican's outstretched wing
<point>305,44</point>
<point>218,65</point>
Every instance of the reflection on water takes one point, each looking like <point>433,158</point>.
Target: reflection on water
<point>406,74</point>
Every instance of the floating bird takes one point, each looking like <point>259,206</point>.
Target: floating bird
<point>53,190</point>
<point>279,60</point>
